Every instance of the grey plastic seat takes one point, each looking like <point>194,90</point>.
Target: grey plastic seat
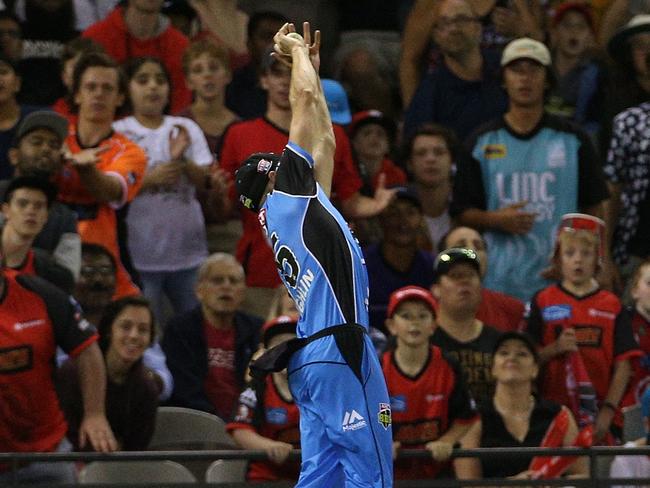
<point>632,423</point>
<point>184,428</point>
<point>226,471</point>
<point>135,472</point>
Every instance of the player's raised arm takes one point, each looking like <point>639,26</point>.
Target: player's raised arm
<point>311,127</point>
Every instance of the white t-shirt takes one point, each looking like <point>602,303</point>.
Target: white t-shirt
<point>166,230</point>
<point>630,467</point>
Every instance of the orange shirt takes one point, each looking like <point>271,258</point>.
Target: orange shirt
<point>97,221</point>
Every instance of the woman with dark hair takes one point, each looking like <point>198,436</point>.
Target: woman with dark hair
<point>126,330</point>
<point>166,228</point>
<point>516,417</point>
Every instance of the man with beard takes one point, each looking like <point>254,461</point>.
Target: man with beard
<point>208,349</point>
<point>36,152</point>
<point>463,90</point>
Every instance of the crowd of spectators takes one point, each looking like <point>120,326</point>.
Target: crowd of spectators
<point>492,158</point>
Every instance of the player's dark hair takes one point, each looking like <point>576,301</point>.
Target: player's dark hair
<point>111,313</point>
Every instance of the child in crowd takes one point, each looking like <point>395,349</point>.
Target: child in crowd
<point>267,418</point>
<point>431,405</point>
<point>583,345</point>
<point>165,224</point>
<point>126,330</point>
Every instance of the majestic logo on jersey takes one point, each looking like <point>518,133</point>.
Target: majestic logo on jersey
<point>286,262</point>
<point>15,359</point>
<point>384,416</point>
<point>495,151</point>
<point>353,421</point>
<point>556,312</point>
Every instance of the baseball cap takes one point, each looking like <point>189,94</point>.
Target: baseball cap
<point>582,8</point>
<point>519,336</point>
<point>252,178</point>
<point>408,193</point>
<point>284,324</point>
<point>573,222</point>
<point>365,117</point>
<point>526,48</point>
<point>43,119</point>
<point>410,293</point>
<point>455,255</point>
<point>637,24</point>
<point>337,101</point>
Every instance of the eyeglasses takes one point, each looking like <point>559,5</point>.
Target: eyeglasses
<point>445,23</point>
<point>88,271</point>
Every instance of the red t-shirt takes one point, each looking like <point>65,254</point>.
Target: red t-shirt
<point>424,407</point>
<point>34,320</point>
<point>280,421</point>
<point>241,140</point>
<point>395,175</point>
<point>641,365</point>
<point>501,311</point>
<point>62,108</point>
<point>220,384</point>
<point>603,339</point>
<point>168,46</point>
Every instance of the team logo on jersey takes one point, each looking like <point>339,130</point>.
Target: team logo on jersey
<point>556,154</point>
<point>264,165</point>
<point>16,359</point>
<point>495,151</point>
<point>588,335</point>
<point>353,420</point>
<point>594,312</point>
<point>28,324</point>
<point>398,403</point>
<point>277,416</point>
<point>556,312</point>
<point>384,416</point>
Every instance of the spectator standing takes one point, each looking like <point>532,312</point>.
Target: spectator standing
<point>126,330</point>
<point>459,333</point>
<point>417,372</point>
<point>502,311</point>
<point>36,152</point>
<point>209,347</point>
<point>105,169</point>
<point>166,208</point>
<point>527,169</point>
<point>463,90</point>
<point>139,29</point>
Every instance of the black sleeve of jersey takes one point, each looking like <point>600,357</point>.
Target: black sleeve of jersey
<point>461,404</point>
<point>295,175</point>
<point>71,329</point>
<point>534,322</point>
<point>592,188</point>
<point>468,189</point>
<point>48,269</point>
<point>623,334</point>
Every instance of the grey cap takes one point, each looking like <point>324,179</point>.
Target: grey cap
<point>43,119</point>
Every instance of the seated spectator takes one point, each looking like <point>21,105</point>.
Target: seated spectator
<point>337,101</point>
<point>104,169</point>
<point>267,418</point>
<point>459,333</point>
<point>72,53</point>
<point>415,370</point>
<point>25,211</point>
<point>396,261</point>
<point>94,291</point>
<point>11,112</point>
<point>431,155</point>
<point>463,90</point>
<point>11,37</point>
<point>502,311</point>
<point>244,95</point>
<point>579,331</point>
<point>516,418</point>
<point>208,349</point>
<point>126,330</point>
<point>36,152</point>
<point>47,26</point>
<point>577,90</point>
<point>140,29</point>
<point>166,206</point>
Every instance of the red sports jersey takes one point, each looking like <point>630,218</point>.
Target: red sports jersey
<point>423,407</point>
<point>504,312</point>
<point>602,339</point>
<point>26,267</point>
<point>641,365</point>
<point>280,422</point>
<point>241,140</point>
<point>35,318</point>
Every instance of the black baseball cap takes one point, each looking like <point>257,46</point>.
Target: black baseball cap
<point>252,177</point>
<point>42,119</point>
<point>525,339</point>
<point>455,255</point>
<point>32,182</point>
<point>409,194</point>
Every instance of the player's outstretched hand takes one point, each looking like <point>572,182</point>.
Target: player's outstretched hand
<point>287,38</point>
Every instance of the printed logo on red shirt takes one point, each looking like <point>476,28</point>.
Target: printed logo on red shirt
<point>16,359</point>
<point>588,335</point>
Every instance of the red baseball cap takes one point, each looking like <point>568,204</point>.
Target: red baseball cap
<point>580,7</point>
<point>284,324</point>
<point>410,293</point>
<point>572,222</point>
